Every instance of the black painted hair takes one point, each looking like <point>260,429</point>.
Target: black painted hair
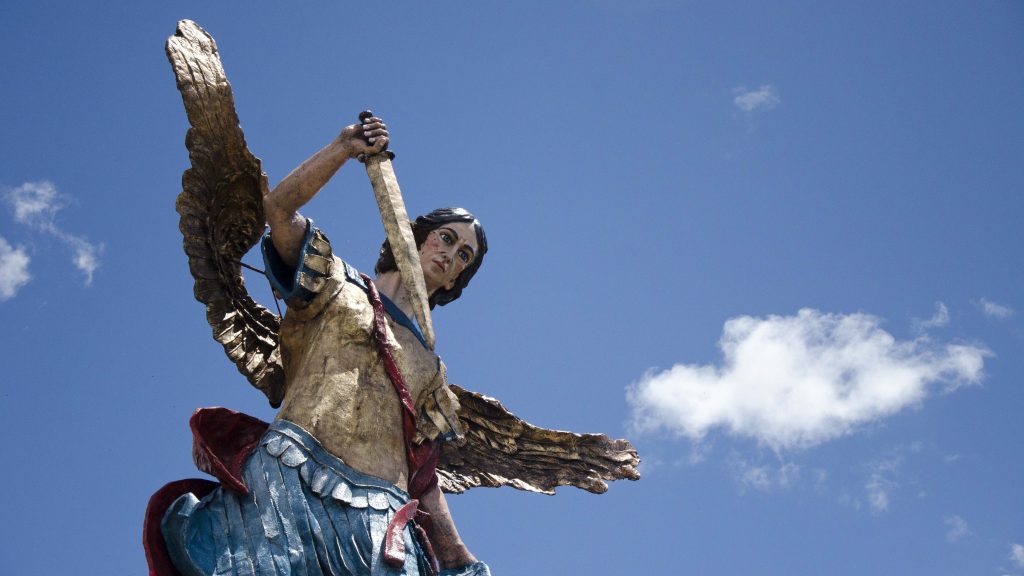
<point>420,228</point>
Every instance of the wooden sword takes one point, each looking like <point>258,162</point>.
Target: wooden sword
<point>399,232</point>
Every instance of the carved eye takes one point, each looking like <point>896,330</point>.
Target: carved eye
<point>446,237</point>
<point>464,256</point>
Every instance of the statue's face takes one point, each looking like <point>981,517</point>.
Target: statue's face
<point>445,253</point>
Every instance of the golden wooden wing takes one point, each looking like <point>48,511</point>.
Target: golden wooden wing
<point>221,208</point>
<point>501,449</point>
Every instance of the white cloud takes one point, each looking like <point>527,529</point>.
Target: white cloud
<point>956,528</point>
<point>755,477</point>
<point>767,478</point>
<point>798,381</point>
<point>85,258</point>
<point>36,204</point>
<point>877,490</point>
<point>13,269</point>
<point>699,453</point>
<point>938,320</point>
<point>993,310</point>
<point>1017,554</point>
<point>764,97</point>
<point>881,483</point>
<point>846,500</point>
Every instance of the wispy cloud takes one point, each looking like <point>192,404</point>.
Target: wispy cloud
<point>86,257</point>
<point>881,483</point>
<point>877,490</point>
<point>993,310</point>
<point>797,381</point>
<point>819,476</point>
<point>938,320</point>
<point>1017,554</point>
<point>13,269</point>
<point>763,98</point>
<point>36,204</point>
<point>956,528</point>
<point>767,478</point>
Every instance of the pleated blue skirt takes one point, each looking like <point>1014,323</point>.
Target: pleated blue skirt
<point>307,513</point>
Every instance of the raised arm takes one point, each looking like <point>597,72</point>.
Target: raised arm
<point>281,205</point>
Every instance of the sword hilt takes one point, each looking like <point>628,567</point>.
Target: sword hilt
<point>363,117</point>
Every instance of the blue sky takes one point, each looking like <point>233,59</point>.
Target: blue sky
<point>776,245</point>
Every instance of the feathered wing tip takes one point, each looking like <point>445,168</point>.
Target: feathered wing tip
<point>500,449</point>
<point>221,208</point>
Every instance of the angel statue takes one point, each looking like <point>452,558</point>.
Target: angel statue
<point>349,479</point>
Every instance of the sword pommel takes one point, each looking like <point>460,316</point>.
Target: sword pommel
<point>363,117</point>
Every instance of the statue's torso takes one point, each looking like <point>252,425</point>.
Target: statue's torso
<point>337,387</point>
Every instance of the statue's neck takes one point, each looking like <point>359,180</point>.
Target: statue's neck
<point>390,284</point>
<point>397,303</point>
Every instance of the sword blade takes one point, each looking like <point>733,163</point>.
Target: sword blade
<point>399,232</point>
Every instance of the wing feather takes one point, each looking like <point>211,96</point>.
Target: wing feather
<point>500,449</point>
<point>221,208</point>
